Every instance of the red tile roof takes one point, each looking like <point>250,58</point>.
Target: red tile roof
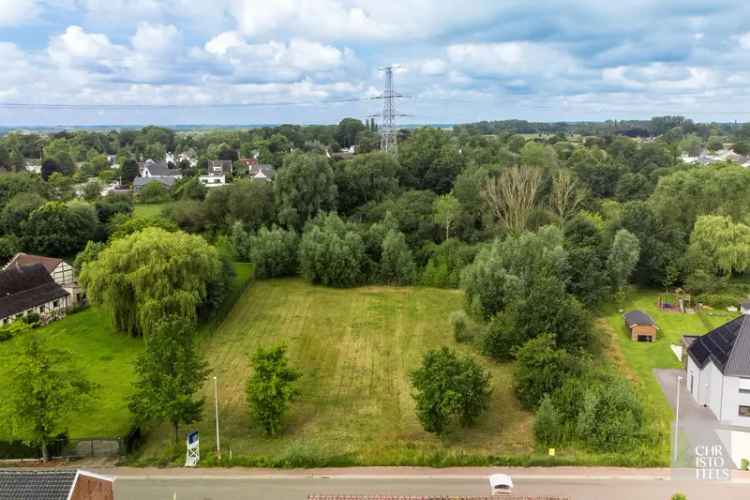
<point>24,259</point>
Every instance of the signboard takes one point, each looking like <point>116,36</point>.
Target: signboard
<point>193,450</point>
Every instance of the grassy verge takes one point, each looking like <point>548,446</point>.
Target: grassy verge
<point>150,209</point>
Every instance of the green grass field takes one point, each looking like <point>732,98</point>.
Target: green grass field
<point>638,359</point>
<point>149,209</point>
<point>355,349</point>
<point>107,358</point>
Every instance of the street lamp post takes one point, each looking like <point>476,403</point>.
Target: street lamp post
<point>676,451</point>
<point>216,412</point>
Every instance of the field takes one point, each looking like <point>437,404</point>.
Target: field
<point>355,349</point>
<point>149,209</point>
<point>638,359</point>
<point>106,357</point>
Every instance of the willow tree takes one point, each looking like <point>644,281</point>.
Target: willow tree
<point>512,196</point>
<point>152,274</point>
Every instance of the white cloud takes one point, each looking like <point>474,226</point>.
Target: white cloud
<point>510,58</point>
<point>745,40</point>
<point>433,67</point>
<point>159,40</point>
<point>17,11</point>
<point>275,60</point>
<point>75,47</point>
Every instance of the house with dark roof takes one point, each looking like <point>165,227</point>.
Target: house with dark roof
<point>641,326</point>
<point>224,165</point>
<point>718,371</point>
<point>261,172</point>
<point>30,289</point>
<point>20,484</point>
<point>62,272</point>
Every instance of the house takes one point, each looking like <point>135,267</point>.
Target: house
<point>262,172</point>
<point>33,165</point>
<point>641,326</point>
<point>214,178</point>
<point>154,169</point>
<point>61,272</point>
<point>20,484</point>
<point>718,371</point>
<point>30,289</point>
<point>224,165</point>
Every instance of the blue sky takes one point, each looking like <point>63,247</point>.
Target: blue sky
<point>459,61</point>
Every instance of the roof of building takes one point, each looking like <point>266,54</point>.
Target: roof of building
<point>160,168</point>
<point>19,484</point>
<point>36,485</point>
<point>262,171</point>
<point>24,287</point>
<point>25,259</point>
<point>727,346</point>
<point>139,182</point>
<point>639,318</point>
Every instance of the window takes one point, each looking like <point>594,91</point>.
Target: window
<point>55,303</point>
<point>744,411</point>
<point>744,385</point>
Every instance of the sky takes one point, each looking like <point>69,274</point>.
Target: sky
<point>316,61</point>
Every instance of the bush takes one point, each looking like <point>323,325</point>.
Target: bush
<point>548,424</point>
<point>396,262</point>
<point>719,300</point>
<point>449,388</point>
<point>462,330</point>
<point>744,464</point>
<point>271,388</point>
<point>612,417</point>
<point>153,192</point>
<point>679,496</point>
<point>331,252</point>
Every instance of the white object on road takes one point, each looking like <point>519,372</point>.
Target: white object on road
<point>501,484</point>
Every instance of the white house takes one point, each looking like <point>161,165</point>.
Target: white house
<point>215,177</point>
<point>718,371</point>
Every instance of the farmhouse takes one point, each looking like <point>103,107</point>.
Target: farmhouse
<point>718,371</point>
<point>42,285</point>
<point>55,485</point>
<point>641,326</point>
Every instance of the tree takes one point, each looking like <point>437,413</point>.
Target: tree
<point>534,154</point>
<point>396,262</point>
<point>50,167</point>
<point>272,251</point>
<point>448,388</point>
<point>331,252</point>
<point>153,192</point>
<point>365,178</point>
<point>59,229</point>
<point>547,424</point>
<point>565,196</point>
<point>168,374</point>
<point>304,186</point>
<point>251,202</point>
<point>611,417</point>
<point>152,274</point>
<point>271,388</point>
<point>60,187</point>
<point>633,187</point>
<point>512,197</point>
<point>347,130</point>
<point>129,171</point>
<point>92,190</point>
<point>540,369</point>
<point>43,390</point>
<point>8,248</point>
<point>719,245</point>
<point>429,161</point>
<point>17,210</point>
<point>446,209</point>
<point>623,257</point>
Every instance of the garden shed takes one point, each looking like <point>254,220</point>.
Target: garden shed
<point>641,326</point>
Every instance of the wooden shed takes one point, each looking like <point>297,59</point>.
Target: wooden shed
<point>641,326</point>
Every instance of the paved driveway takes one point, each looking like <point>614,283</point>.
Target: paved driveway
<point>699,429</point>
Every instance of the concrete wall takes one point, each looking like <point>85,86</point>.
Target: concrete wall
<point>733,398</point>
<point>695,373</point>
<point>715,388</point>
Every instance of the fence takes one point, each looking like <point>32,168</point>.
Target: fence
<point>93,447</point>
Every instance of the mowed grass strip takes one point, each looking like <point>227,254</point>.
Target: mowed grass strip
<point>355,349</point>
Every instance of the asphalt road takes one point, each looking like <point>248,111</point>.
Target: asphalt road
<point>252,488</point>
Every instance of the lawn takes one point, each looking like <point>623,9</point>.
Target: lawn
<point>107,357</point>
<point>355,349</point>
<point>638,359</point>
<point>104,356</point>
<point>149,209</point>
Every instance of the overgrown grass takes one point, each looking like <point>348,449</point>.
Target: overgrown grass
<point>637,360</point>
<point>355,349</point>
